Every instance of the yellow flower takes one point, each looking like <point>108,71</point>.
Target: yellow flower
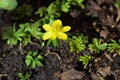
<point>55,31</point>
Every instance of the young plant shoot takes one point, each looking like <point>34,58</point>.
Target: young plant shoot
<point>12,35</point>
<point>23,76</point>
<point>78,43</point>
<point>97,46</point>
<point>85,60</point>
<point>34,59</point>
<point>114,46</point>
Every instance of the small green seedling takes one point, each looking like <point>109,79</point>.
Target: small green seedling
<point>97,45</point>
<point>55,42</point>
<point>23,33</point>
<point>56,8</point>
<point>8,4</point>
<point>24,10</point>
<point>34,59</point>
<point>12,35</point>
<point>24,76</point>
<point>78,3</point>
<point>77,43</point>
<point>85,59</point>
<point>65,7</point>
<point>33,29</point>
<point>114,46</point>
<point>50,12</point>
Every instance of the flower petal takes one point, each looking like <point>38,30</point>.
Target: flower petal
<point>47,35</point>
<point>66,28</point>
<point>57,24</point>
<point>62,35</point>
<point>54,36</point>
<point>47,27</point>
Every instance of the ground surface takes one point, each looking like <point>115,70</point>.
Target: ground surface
<point>97,20</point>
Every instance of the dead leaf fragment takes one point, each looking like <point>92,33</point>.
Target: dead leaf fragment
<point>104,33</point>
<point>72,75</point>
<point>104,71</point>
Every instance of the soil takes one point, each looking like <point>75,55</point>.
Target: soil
<point>98,19</point>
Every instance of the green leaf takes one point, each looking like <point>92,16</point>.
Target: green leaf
<point>34,53</point>
<point>9,32</point>
<point>53,10</point>
<point>119,52</point>
<point>34,30</point>
<point>12,35</point>
<point>24,10</point>
<point>77,44</point>
<point>48,42</point>
<point>97,45</point>
<point>8,4</point>
<point>24,76</point>
<point>55,42</point>
<point>41,11</point>
<point>27,40</point>
<point>27,75</point>
<point>113,46</point>
<point>29,57</point>
<point>102,46</point>
<point>39,57</point>
<point>28,62</point>
<point>34,59</point>
<point>33,64</point>
<point>38,63</point>
<point>20,32</point>
<point>85,59</point>
<point>65,7</point>
<point>43,44</point>
<point>78,3</point>
<point>20,75</point>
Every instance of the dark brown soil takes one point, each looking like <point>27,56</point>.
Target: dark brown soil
<point>98,19</point>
